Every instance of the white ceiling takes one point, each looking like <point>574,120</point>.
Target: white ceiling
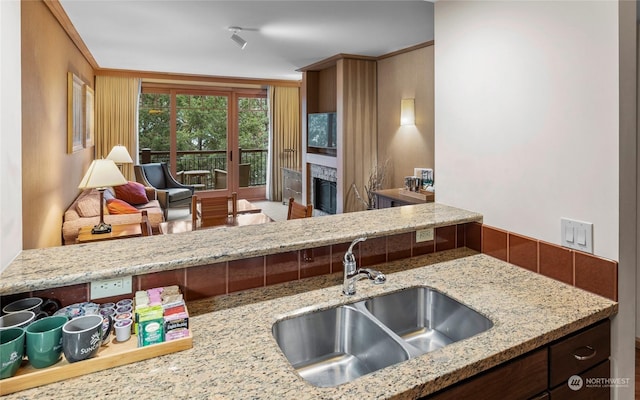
<point>192,37</point>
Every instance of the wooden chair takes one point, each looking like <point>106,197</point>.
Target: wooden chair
<point>297,210</point>
<point>213,211</point>
<point>145,225</point>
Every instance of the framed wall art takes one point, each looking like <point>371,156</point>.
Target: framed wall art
<point>75,113</point>
<point>88,116</point>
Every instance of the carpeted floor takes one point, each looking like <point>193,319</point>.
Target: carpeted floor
<point>274,209</point>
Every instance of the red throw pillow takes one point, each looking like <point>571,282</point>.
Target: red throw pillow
<point>132,193</point>
<point>117,206</point>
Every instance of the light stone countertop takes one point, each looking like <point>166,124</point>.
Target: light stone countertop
<point>67,265</point>
<point>235,356</point>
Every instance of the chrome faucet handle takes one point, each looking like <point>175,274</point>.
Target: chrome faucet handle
<point>348,256</point>
<point>377,277</point>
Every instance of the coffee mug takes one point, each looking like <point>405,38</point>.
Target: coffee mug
<point>82,337</point>
<point>18,319</point>
<point>11,351</point>
<point>107,327</point>
<point>40,307</point>
<point>44,341</point>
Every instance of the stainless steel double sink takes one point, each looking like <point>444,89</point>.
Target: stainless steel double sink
<point>340,344</point>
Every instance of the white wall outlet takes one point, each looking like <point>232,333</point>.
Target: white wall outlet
<point>576,235</point>
<point>111,287</point>
<point>424,235</point>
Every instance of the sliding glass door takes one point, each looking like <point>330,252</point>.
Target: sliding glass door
<point>214,140</point>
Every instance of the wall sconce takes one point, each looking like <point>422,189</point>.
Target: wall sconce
<point>407,112</point>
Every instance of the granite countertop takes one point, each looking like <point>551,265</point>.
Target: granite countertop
<point>67,265</point>
<point>235,356</point>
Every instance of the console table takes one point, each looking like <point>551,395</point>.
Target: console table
<point>400,197</point>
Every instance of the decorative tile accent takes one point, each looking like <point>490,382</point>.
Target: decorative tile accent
<point>460,235</point>
<point>337,254</point>
<point>399,246</point>
<point>65,295</point>
<point>314,262</point>
<point>596,275</point>
<point>446,237</point>
<point>473,236</point>
<point>373,251</point>
<point>164,278</point>
<point>206,281</point>
<point>246,274</point>
<point>556,262</point>
<point>523,252</point>
<point>494,242</point>
<point>282,267</point>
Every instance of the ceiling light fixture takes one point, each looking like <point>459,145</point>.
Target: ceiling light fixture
<point>237,39</point>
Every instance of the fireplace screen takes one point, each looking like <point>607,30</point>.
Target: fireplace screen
<point>324,195</point>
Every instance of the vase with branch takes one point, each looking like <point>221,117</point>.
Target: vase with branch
<point>377,178</point>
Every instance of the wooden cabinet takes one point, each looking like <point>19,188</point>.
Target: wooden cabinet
<point>578,353</point>
<point>346,85</point>
<point>291,185</point>
<point>521,378</point>
<point>544,373</point>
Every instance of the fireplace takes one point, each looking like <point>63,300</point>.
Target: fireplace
<point>324,195</point>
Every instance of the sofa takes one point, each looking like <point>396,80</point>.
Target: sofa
<point>85,211</point>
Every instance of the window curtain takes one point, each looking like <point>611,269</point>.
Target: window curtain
<point>117,117</point>
<point>285,139</point>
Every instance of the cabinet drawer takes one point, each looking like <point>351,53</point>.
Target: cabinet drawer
<point>579,352</point>
<point>519,379</point>
<point>586,392</point>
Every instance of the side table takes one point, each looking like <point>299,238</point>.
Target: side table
<point>117,232</point>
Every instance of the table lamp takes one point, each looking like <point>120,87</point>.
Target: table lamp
<point>100,175</point>
<point>120,155</point>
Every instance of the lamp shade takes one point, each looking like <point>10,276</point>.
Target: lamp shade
<point>407,112</point>
<point>120,155</point>
<point>102,174</point>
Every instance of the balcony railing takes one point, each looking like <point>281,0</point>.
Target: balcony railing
<point>212,159</point>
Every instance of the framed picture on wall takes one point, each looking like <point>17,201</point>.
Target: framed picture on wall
<point>75,113</point>
<point>88,116</point>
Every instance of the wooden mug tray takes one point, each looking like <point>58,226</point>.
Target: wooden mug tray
<point>112,355</point>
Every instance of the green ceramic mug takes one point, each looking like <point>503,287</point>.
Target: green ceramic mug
<point>44,341</point>
<point>11,351</point>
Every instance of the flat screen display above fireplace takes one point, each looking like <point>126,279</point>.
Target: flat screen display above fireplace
<point>321,132</point>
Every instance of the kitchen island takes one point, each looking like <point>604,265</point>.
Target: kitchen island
<point>235,356</point>
<point>53,267</point>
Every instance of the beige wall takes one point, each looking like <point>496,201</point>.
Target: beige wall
<point>49,175</point>
<point>407,75</point>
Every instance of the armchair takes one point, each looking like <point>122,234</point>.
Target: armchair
<point>171,193</point>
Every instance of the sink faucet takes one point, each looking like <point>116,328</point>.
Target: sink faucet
<point>352,273</point>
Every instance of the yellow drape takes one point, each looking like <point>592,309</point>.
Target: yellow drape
<point>286,141</point>
<point>117,117</point>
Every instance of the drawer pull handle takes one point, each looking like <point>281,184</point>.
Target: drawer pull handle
<point>585,357</point>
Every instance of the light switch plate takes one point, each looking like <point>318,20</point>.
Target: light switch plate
<point>576,235</point>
